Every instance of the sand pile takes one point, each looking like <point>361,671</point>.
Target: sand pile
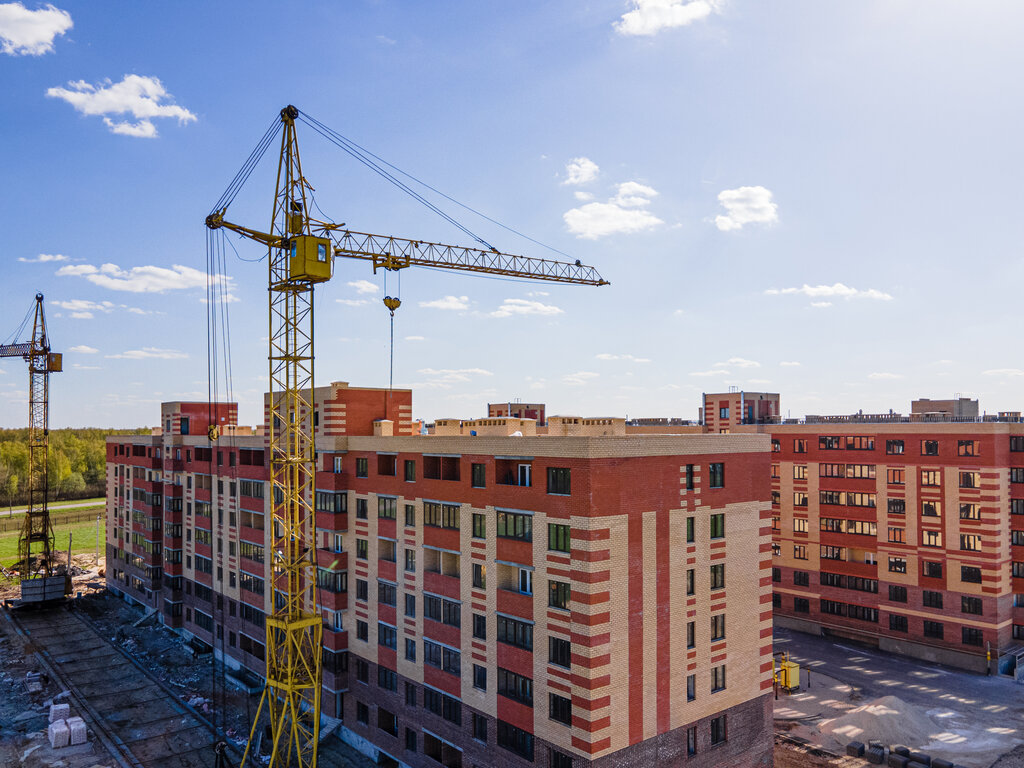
<point>888,719</point>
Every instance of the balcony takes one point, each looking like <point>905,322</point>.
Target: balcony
<point>440,584</point>
<point>515,604</point>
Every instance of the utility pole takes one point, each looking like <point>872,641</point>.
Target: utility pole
<point>97,543</point>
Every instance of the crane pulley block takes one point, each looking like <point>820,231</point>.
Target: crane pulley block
<point>312,258</point>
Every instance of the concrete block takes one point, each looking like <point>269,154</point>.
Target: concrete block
<point>876,743</point>
<point>855,749</point>
<point>77,731</point>
<point>59,734</point>
<point>899,749</point>
<point>59,712</point>
<point>897,761</point>
<point>921,758</point>
<point>941,762</point>
<point>875,755</point>
<point>915,764</point>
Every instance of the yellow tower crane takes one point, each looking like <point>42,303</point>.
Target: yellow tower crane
<point>37,531</point>
<point>301,253</point>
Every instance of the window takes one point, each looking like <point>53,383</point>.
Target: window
<point>931,509</point>
<point>440,609</point>
<point>718,734</point>
<point>558,480</point>
<point>689,477</point>
<point>387,594</point>
<point>479,677</point>
<point>718,576</point>
<point>559,651</point>
<point>776,445</point>
<point>558,591</point>
<point>387,636</point>
<point>526,581</point>
<point>387,679</point>
<point>801,605</point>
<point>410,515</point>
<point>897,565</point>
<point>716,475</point>
<point>931,477</point>
<point>894,447</point>
<point>970,512</point>
<point>1017,538</point>
<point>718,526</point>
<point>933,629</point>
<point>479,576</point>
<point>897,594</point>
<point>443,705</point>
<point>442,657</point>
<point>691,740</point>
<point>898,623</point>
<point>718,678</point>
<point>932,569</point>
<point>860,444</point>
<point>970,573</point>
<point>971,636</point>
<point>930,599</point>
<point>929,447</point>
<point>480,727</point>
<point>799,499</point>
<point>931,538</point>
<point>515,632</point>
<point>559,760</point>
<point>515,526</point>
<point>970,479</point>
<point>439,515</point>
<point>362,713</point>
<point>516,687</point>
<point>515,740</point>
<point>898,535</point>
<point>410,654</point>
<point>718,626</point>
<point>691,687</point>
<point>691,587</point>
<point>1016,443</point>
<point>832,553</point>
<point>723,413</point>
<point>362,549</point>
<point>361,508</point>
<point>410,560</point>
<point>970,605</point>
<point>971,542</point>
<point>801,578</point>
<point>691,634</point>
<point>410,740</point>
<point>966,447</point>
<point>362,467</point>
<point>558,537</point>
<point>800,446</point>
<point>362,631</point>
<point>1017,474</point>
<point>896,476</point>
<point>479,526</point>
<point>387,508</point>
<point>560,709</point>
<point>799,471</point>
<point>1016,570</point>
<point>776,498</point>
<point>479,476</point>
<point>799,551</point>
<point>897,506</point>
<point>830,443</point>
<point>777,575</point>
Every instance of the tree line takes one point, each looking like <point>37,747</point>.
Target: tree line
<point>76,463</point>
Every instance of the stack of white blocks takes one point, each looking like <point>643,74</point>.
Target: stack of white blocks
<point>65,730</point>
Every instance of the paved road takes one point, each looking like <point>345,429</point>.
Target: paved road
<point>878,673</point>
<point>58,507</point>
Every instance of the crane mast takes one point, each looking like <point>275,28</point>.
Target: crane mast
<point>37,530</point>
<point>301,253</point>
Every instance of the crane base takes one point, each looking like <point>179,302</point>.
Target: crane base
<point>45,589</point>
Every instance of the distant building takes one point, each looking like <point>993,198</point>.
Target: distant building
<point>960,408</point>
<point>518,410</point>
<point>722,411</point>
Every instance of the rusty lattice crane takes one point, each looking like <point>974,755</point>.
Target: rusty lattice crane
<point>301,253</point>
<point>37,531</point>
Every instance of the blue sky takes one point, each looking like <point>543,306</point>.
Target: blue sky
<point>819,199</point>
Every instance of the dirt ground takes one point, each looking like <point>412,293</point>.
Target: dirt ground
<point>789,755</point>
<point>86,575</point>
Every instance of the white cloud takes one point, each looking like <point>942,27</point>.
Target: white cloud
<point>579,378</point>
<point>363,286</point>
<point>582,196</point>
<point>149,353</point>
<point>82,349</point>
<point>746,205</point>
<point>353,302</point>
<point>625,212</point>
<point>884,376</point>
<point>385,40</point>
<point>1003,372</point>
<point>414,338</point>
<point>532,294</point>
<point>444,378</point>
<point>738,362</point>
<point>628,357</point>
<point>148,279</point>
<point>821,304</point>
<point>714,372</point>
<point>511,307</point>
<point>80,367</point>
<point>448,302</point>
<point>84,305</point>
<point>836,290</point>
<point>24,32</point>
<point>789,363</point>
<point>42,258</point>
<point>651,16</point>
<point>580,170</point>
<point>136,95</point>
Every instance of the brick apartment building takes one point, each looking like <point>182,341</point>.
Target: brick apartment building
<point>905,532</point>
<point>721,412</point>
<point>518,410</point>
<point>580,598</point>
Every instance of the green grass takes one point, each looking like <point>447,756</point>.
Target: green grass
<point>83,540</point>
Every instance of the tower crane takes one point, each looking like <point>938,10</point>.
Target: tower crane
<point>301,254</point>
<point>37,531</point>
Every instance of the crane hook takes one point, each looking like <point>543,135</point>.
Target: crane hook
<point>392,304</point>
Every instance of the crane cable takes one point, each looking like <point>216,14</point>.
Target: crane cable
<point>392,303</point>
<point>248,166</point>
